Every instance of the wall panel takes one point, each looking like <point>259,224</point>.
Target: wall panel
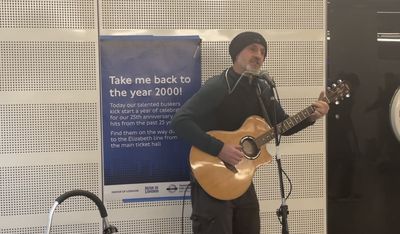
<point>50,117</point>
<point>295,31</point>
<point>49,114</point>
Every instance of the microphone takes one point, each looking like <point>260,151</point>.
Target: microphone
<point>262,75</point>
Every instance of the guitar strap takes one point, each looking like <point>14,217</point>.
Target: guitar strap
<point>262,104</point>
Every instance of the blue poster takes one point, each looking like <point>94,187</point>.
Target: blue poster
<point>145,79</point>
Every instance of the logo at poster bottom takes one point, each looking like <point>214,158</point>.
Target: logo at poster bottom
<point>172,188</point>
<point>151,189</point>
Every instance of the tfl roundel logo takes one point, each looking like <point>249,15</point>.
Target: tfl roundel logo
<point>172,188</point>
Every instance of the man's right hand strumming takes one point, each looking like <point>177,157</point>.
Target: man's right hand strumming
<point>231,154</point>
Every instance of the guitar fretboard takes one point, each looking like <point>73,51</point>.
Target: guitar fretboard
<point>291,122</point>
<point>285,125</point>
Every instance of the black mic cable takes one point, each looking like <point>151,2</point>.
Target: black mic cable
<point>183,209</point>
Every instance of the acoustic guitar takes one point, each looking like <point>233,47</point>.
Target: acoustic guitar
<point>226,182</point>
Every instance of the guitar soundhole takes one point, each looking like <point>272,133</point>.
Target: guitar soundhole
<point>249,147</point>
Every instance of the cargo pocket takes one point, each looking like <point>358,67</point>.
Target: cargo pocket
<point>201,224</point>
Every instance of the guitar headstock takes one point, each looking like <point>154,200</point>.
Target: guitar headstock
<point>337,92</point>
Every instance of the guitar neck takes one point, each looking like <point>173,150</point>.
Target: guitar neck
<point>287,124</point>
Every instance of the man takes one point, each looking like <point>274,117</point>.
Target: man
<point>224,103</point>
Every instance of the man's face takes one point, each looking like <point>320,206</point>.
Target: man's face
<point>250,58</point>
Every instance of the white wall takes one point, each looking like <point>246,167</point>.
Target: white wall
<point>50,125</point>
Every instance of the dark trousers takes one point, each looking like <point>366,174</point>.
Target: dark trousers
<point>213,216</point>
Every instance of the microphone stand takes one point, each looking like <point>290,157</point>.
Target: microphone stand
<point>283,209</point>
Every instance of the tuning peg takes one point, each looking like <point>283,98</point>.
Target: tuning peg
<point>339,81</point>
<point>334,85</point>
<point>347,95</point>
<point>337,102</point>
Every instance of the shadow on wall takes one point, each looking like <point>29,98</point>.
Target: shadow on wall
<point>384,149</point>
<point>363,191</point>
<point>343,148</point>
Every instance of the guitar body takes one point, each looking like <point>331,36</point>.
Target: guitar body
<point>223,181</point>
<point>227,182</point>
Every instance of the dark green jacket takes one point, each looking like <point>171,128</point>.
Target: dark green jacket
<point>219,106</point>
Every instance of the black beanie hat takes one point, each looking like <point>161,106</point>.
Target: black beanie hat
<point>244,39</point>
